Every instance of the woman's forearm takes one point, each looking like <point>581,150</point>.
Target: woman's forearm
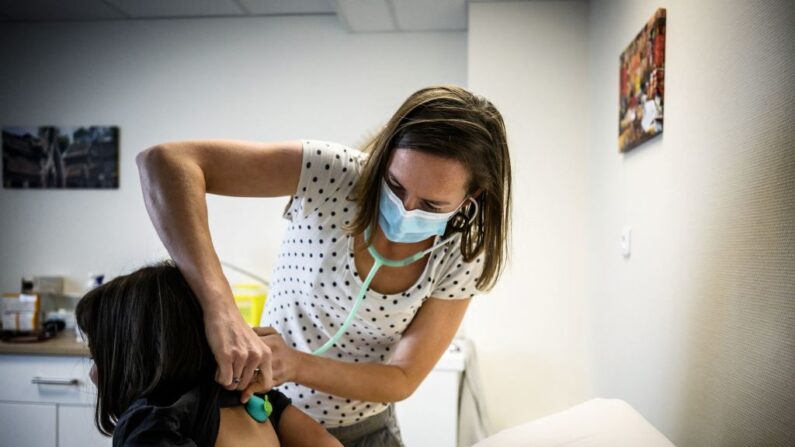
<point>372,382</point>
<point>174,194</point>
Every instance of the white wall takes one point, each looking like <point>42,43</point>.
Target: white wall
<point>696,328</point>
<point>160,80</point>
<point>529,59</point>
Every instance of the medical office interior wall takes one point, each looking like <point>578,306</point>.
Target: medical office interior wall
<point>695,328</point>
<point>257,78</point>
<point>530,59</point>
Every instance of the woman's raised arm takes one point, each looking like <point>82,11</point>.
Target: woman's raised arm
<point>175,178</point>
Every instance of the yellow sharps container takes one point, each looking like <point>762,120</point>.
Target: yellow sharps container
<point>250,299</point>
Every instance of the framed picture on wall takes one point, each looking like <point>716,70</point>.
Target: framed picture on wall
<point>641,85</point>
<point>85,157</point>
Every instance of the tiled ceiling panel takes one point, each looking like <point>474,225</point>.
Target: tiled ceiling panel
<point>57,10</point>
<point>424,15</point>
<point>366,15</point>
<point>177,8</point>
<point>360,16</point>
<point>266,7</point>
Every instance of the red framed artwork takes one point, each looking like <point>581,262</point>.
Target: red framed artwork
<point>642,86</point>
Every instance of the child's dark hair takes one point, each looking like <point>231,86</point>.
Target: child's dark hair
<point>145,332</point>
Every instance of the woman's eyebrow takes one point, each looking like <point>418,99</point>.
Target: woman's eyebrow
<point>432,202</point>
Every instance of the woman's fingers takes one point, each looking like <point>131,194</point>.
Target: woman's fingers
<point>253,387</point>
<point>238,364</point>
<point>254,356</point>
<point>263,331</point>
<point>266,372</point>
<point>282,359</point>
<point>237,372</point>
<point>221,338</point>
<point>237,349</point>
<point>252,362</point>
<point>262,380</point>
<point>257,385</point>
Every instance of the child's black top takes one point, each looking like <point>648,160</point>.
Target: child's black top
<point>191,419</point>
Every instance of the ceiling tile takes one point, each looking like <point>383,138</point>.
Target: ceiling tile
<point>365,15</point>
<point>177,8</point>
<point>265,7</point>
<point>355,15</point>
<point>424,15</point>
<point>47,10</point>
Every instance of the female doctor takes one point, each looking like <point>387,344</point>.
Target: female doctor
<point>403,234</point>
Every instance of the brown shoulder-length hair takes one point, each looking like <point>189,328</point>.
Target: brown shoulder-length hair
<point>145,332</point>
<point>451,122</point>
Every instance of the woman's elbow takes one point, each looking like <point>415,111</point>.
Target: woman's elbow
<point>403,389</point>
<point>159,163</point>
<point>149,157</point>
<point>405,393</point>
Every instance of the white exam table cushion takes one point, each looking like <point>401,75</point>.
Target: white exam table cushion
<point>596,422</point>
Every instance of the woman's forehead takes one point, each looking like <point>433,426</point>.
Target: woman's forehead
<point>428,175</point>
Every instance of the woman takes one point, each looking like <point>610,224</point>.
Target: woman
<point>435,183</point>
<point>154,371</point>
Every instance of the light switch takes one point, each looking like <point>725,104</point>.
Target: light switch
<point>626,238</point>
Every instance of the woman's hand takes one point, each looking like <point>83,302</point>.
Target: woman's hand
<point>238,351</point>
<point>284,361</point>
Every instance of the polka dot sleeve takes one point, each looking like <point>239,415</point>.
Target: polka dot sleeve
<point>327,170</point>
<point>458,279</point>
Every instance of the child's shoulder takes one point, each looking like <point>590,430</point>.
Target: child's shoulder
<point>169,419</point>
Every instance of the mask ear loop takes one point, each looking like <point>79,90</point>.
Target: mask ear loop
<point>463,215</point>
<point>475,214</point>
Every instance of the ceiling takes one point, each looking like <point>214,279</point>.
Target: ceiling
<point>355,15</point>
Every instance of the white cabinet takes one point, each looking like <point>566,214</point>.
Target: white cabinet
<point>27,424</point>
<point>429,418</point>
<point>47,401</point>
<point>76,427</point>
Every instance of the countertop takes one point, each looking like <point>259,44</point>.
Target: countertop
<point>63,344</point>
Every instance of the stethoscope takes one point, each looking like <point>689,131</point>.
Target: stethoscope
<point>378,262</point>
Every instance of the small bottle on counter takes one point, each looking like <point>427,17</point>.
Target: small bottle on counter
<point>94,280</point>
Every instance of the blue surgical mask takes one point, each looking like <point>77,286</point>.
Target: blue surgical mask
<point>400,225</point>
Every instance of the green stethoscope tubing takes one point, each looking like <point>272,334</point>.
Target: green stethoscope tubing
<point>378,262</point>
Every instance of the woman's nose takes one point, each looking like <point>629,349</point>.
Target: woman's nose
<point>410,203</point>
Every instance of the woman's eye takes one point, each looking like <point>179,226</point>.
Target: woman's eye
<point>397,190</point>
<point>431,208</point>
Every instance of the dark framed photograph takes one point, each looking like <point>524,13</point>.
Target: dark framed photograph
<point>46,157</point>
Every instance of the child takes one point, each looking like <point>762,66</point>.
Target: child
<point>154,371</point>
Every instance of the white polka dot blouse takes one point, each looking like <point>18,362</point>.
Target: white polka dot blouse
<point>314,282</point>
